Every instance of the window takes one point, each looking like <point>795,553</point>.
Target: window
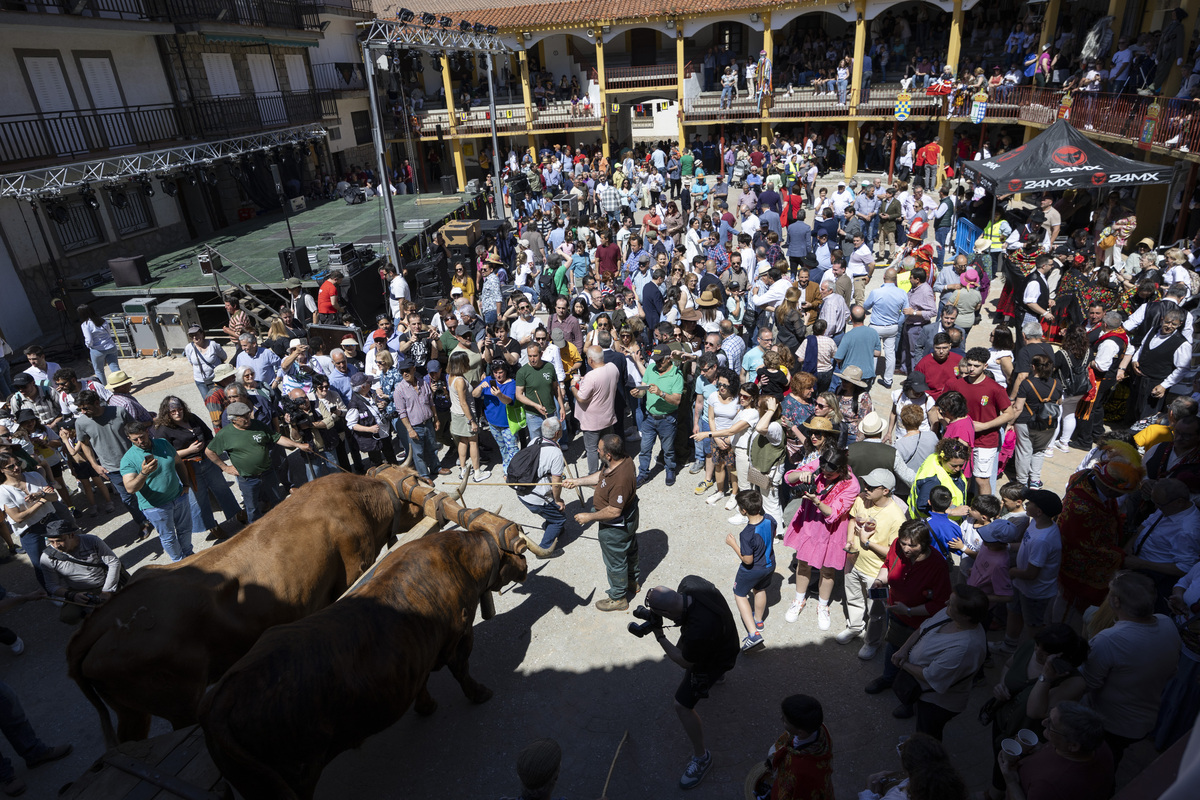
<point>297,74</point>
<point>82,228</point>
<point>335,133</point>
<point>362,127</point>
<point>730,34</point>
<point>135,216</point>
<point>222,80</point>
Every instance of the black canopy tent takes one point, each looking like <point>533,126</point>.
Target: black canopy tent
<point>1060,158</point>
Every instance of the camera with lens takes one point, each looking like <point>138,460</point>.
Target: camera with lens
<point>299,416</point>
<point>652,620</point>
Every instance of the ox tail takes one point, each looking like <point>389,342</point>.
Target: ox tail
<point>77,652</point>
<point>248,774</point>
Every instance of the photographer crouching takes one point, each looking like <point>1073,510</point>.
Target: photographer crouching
<point>707,649</point>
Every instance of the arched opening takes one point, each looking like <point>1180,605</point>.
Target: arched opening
<point>716,46</point>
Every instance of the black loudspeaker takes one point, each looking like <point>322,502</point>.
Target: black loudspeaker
<point>365,296</point>
<point>294,262</point>
<point>354,195</point>
<point>449,184</point>
<point>460,252</point>
<point>131,271</point>
<point>429,277</point>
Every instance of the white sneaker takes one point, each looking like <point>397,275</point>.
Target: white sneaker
<point>738,519</point>
<point>18,646</point>
<point>793,612</point>
<point>822,617</point>
<point>481,475</point>
<point>1048,453</point>
<point>847,636</point>
<point>868,651</point>
<point>715,497</point>
<point>1063,446</point>
<point>731,503</point>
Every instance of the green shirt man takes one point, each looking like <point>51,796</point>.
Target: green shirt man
<point>663,387</point>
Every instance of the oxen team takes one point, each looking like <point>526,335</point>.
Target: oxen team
<point>275,619</point>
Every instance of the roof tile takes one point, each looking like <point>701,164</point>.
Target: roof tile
<point>510,14</point>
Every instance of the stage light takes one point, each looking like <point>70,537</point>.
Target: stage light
<point>404,15</point>
<point>428,19</point>
<point>58,212</point>
<point>147,187</point>
<point>445,22</point>
<point>88,196</point>
<point>464,26</point>
<point>492,30</point>
<point>436,60</point>
<point>477,27</point>
<point>118,199</point>
<point>169,187</point>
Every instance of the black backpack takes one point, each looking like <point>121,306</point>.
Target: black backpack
<point>1074,377</point>
<point>545,284</point>
<point>523,468</point>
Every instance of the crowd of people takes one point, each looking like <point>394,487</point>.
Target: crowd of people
<point>742,336</point>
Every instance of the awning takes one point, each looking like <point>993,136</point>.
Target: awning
<point>245,39</point>
<point>1059,158</point>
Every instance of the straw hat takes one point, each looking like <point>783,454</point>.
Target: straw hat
<point>708,299</point>
<point>852,374</point>
<point>119,378</point>
<point>818,425</point>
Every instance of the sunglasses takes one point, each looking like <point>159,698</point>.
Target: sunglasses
<point>724,386</point>
<point>821,405</point>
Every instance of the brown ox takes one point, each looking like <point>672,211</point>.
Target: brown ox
<point>312,689</point>
<point>174,630</point>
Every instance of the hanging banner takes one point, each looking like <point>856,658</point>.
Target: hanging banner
<point>903,106</point>
<point>616,108</point>
<point>1064,106</point>
<point>978,107</point>
<point>1146,138</point>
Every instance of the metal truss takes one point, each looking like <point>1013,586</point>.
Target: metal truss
<point>56,179</point>
<point>380,33</point>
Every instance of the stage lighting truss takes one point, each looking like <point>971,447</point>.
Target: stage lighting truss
<point>64,178</point>
<point>429,37</point>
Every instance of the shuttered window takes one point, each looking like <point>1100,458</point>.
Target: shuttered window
<point>297,74</point>
<point>222,80</point>
<point>50,90</point>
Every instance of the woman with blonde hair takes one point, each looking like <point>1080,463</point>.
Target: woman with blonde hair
<point>464,428</point>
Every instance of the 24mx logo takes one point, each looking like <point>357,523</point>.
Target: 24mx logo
<point>1069,156</point>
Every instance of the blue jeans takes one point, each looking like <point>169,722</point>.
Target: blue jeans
<point>210,479</point>
<point>173,522</point>
<point>6,386</point>
<point>127,500</point>
<point>726,96</point>
<point>703,446</point>
<point>100,358</point>
<point>506,442</point>
<point>259,493</point>
<point>841,90</point>
<point>556,521</point>
<point>533,423</point>
<point>33,539</point>
<point>17,730</point>
<point>942,235</point>
<point>664,429</point>
<point>424,449</point>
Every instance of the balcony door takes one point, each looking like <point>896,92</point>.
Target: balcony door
<point>266,89</point>
<point>60,130</point>
<point>107,100</point>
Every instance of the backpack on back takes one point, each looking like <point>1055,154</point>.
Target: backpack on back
<point>1074,378</point>
<point>523,467</point>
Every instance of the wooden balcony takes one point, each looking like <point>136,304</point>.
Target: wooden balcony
<point>38,139</point>
<point>632,79</point>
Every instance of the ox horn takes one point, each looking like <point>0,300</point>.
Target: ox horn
<point>408,460</point>
<point>456,494</point>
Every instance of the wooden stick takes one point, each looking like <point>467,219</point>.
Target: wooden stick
<point>502,483</point>
<point>578,491</point>
<point>69,602</point>
<point>604,791</point>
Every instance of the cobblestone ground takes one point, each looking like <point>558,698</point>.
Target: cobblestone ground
<point>558,667</point>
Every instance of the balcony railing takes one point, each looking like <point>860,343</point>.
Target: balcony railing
<point>618,79</point>
<point>101,9</point>
<point>31,138</point>
<point>258,13</point>
<point>233,115</point>
<point>345,76</point>
<point>334,6</point>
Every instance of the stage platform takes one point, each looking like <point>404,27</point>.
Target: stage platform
<point>254,245</point>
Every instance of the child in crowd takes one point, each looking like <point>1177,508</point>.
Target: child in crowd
<point>1035,575</point>
<point>985,510</point>
<point>989,570</point>
<point>1012,503</point>
<point>942,529</point>
<point>754,547</point>
<point>800,763</point>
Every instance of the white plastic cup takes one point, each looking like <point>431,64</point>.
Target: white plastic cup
<point>1012,748</point>
<point>1027,738</point>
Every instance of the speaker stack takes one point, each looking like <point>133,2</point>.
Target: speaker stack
<point>429,281</point>
<point>294,262</point>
